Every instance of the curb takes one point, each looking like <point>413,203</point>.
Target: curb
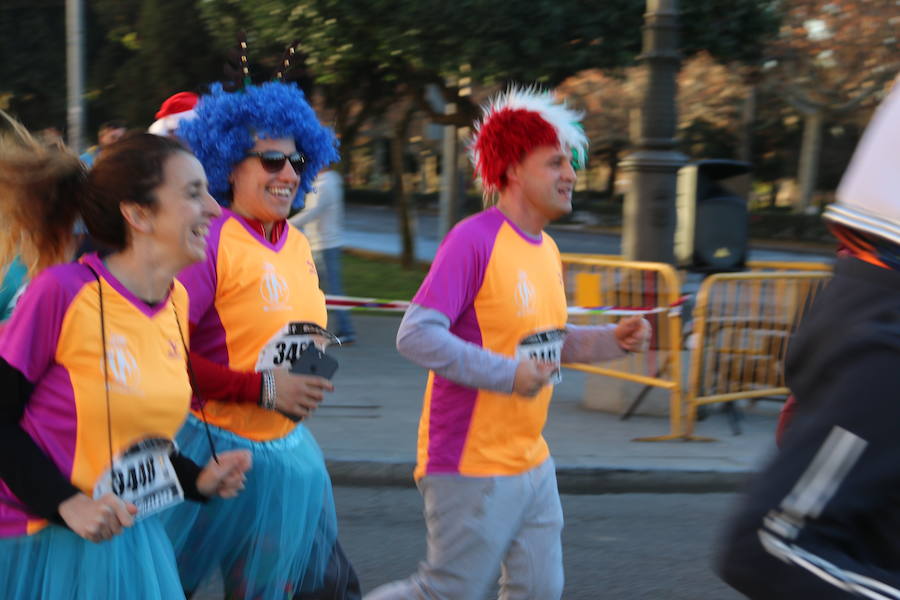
<point>570,479</point>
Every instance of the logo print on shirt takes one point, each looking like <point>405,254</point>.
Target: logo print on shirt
<point>273,289</point>
<point>124,373</point>
<point>524,295</point>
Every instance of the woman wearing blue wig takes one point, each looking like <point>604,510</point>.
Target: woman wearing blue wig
<point>255,305</point>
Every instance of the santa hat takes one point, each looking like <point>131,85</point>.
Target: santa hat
<point>515,123</point>
<point>175,109</point>
<point>867,198</point>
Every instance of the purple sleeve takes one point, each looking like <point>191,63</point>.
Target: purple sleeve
<point>458,269</point>
<point>200,280</point>
<point>28,342</point>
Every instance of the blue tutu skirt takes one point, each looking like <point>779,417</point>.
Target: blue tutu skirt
<point>56,563</point>
<point>275,539</point>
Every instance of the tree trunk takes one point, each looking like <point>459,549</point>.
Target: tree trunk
<point>401,194</point>
<point>748,117</point>
<point>348,139</point>
<point>348,128</point>
<point>809,159</point>
<point>340,128</point>
<point>613,164</point>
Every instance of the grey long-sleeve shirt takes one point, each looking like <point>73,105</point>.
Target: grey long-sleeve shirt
<point>424,338</point>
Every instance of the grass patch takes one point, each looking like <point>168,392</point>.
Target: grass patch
<point>382,278</point>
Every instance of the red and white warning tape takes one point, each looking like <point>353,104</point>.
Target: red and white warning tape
<point>375,304</point>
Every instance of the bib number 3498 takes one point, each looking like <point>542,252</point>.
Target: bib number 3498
<point>287,345</point>
<point>544,346</point>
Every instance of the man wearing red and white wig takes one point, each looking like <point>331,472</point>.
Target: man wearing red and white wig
<point>175,109</point>
<point>489,321</point>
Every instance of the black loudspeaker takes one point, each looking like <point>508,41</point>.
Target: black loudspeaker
<point>711,232</point>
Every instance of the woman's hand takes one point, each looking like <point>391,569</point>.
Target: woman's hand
<point>225,478</point>
<point>299,395</point>
<point>97,520</point>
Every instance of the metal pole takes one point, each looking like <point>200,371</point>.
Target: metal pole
<point>449,188</point>
<point>75,74</point>
<point>649,212</point>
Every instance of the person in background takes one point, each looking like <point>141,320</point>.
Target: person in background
<point>14,278</point>
<point>13,285</point>
<point>822,519</point>
<point>51,136</point>
<point>92,364</point>
<point>322,220</point>
<point>173,110</point>
<point>108,133</point>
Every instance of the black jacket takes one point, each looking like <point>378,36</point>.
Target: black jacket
<point>822,520</point>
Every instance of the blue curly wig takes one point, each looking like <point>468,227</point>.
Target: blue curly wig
<point>228,124</point>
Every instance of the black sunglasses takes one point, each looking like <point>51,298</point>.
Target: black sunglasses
<point>273,161</point>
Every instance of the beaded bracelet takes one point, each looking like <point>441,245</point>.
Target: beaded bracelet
<point>267,398</point>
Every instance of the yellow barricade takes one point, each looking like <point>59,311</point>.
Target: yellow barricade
<point>644,286</point>
<point>778,265</point>
<point>742,324</point>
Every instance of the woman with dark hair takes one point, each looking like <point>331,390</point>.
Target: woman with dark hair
<point>255,307</point>
<point>93,367</point>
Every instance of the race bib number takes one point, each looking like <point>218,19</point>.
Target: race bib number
<point>287,345</point>
<point>544,346</point>
<point>144,476</point>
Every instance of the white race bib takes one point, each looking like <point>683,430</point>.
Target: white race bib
<point>144,476</point>
<point>286,346</point>
<point>544,346</point>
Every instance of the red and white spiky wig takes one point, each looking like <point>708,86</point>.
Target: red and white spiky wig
<point>515,123</point>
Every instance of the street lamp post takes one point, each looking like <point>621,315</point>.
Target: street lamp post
<point>649,212</point>
<point>75,74</point>
<point>447,199</point>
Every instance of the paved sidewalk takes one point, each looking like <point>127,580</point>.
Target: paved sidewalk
<point>367,429</point>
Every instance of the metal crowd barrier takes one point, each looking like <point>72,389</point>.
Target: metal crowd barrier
<point>780,265</point>
<point>633,287</point>
<point>742,324</point>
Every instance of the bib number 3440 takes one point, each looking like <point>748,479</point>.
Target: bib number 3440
<point>144,476</point>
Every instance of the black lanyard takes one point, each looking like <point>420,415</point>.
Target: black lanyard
<point>193,381</point>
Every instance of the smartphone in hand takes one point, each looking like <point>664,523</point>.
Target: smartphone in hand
<point>313,361</point>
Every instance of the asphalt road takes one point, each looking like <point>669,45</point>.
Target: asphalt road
<point>375,228</point>
<point>616,547</point>
<point>628,547</point>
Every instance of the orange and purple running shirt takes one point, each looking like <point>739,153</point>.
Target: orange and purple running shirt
<point>242,296</point>
<point>54,339</point>
<point>499,288</point>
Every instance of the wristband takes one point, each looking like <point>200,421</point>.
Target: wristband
<point>268,395</point>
